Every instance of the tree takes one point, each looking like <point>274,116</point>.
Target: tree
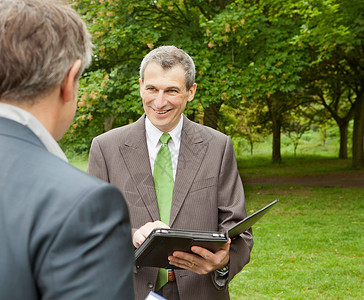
<point>247,122</point>
<point>329,86</point>
<point>299,124</point>
<point>269,63</point>
<point>265,51</point>
<point>334,33</point>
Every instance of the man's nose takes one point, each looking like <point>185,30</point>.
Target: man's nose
<point>160,99</point>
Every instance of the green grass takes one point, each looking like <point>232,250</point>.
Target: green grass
<point>310,246</point>
<point>311,142</point>
<point>260,165</point>
<point>79,162</point>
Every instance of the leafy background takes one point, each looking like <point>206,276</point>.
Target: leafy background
<point>264,68</point>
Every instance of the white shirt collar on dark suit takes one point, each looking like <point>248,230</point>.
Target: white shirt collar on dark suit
<point>27,119</point>
<point>153,143</point>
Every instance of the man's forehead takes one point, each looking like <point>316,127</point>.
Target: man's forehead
<point>155,66</point>
<point>155,74</point>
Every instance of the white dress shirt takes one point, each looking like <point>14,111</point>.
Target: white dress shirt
<point>153,143</point>
<point>27,119</point>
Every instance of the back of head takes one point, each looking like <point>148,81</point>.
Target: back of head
<point>168,57</point>
<point>39,42</point>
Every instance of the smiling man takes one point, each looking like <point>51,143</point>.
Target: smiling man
<point>176,173</point>
<point>165,95</point>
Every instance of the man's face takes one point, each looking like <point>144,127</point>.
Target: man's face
<point>164,95</point>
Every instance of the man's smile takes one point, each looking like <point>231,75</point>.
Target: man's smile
<point>161,112</point>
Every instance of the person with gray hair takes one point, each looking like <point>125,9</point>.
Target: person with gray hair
<point>63,233</point>
<point>178,174</point>
<point>168,57</point>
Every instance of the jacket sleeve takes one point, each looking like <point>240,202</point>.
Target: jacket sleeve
<point>231,203</point>
<point>91,256</point>
<point>96,164</point>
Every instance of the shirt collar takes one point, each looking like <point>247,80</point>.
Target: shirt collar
<point>154,134</point>
<point>25,118</point>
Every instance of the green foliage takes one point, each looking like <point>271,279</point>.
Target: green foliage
<point>262,59</point>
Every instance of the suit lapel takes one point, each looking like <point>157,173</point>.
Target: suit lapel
<point>191,153</point>
<point>135,154</point>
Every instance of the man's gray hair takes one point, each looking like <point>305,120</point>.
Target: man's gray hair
<point>39,42</point>
<point>168,57</point>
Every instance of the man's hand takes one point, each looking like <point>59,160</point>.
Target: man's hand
<point>141,234</point>
<point>203,261</point>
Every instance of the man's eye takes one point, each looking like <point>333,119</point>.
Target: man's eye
<point>172,91</point>
<point>151,89</point>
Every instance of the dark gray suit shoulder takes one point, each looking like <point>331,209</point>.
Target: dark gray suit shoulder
<point>61,222</point>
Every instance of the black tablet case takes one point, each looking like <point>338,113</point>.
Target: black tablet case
<point>161,243</point>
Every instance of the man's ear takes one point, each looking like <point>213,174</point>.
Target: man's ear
<point>69,82</point>
<point>191,92</point>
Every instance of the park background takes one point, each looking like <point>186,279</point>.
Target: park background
<point>285,80</point>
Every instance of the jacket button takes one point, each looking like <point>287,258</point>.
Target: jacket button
<point>150,285</point>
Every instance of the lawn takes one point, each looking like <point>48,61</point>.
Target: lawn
<point>310,246</point>
<point>261,166</point>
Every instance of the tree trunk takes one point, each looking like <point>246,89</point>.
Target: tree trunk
<point>343,152</point>
<point>324,137</point>
<point>211,115</point>
<point>358,133</point>
<point>295,146</point>
<point>342,123</point>
<point>276,150</point>
<point>273,105</point>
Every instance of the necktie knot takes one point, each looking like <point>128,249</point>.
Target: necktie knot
<point>165,138</point>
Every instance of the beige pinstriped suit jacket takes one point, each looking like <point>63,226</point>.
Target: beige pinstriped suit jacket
<point>208,194</point>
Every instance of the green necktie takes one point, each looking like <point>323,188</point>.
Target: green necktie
<point>163,183</point>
